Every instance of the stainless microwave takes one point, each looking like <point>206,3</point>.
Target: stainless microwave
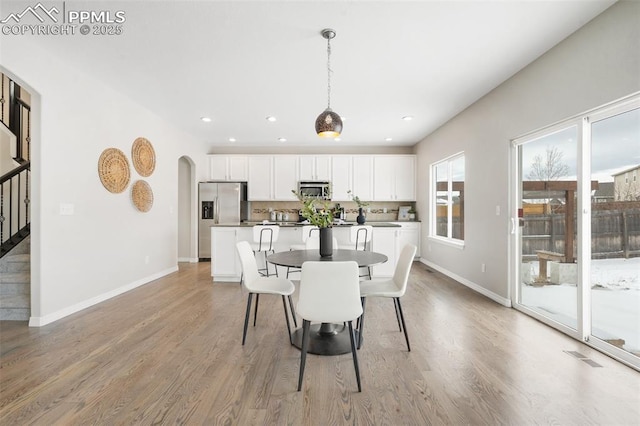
<point>315,189</point>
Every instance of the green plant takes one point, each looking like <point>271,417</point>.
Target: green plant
<point>357,200</point>
<point>316,211</point>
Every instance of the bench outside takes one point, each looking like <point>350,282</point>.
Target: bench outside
<point>543,257</point>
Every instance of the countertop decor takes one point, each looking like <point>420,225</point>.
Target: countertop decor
<point>113,169</point>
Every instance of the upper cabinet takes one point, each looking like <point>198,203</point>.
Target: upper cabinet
<point>315,167</point>
<point>341,177</point>
<point>285,177</point>
<point>260,182</point>
<point>228,168</point>
<point>362,184</point>
<point>394,178</point>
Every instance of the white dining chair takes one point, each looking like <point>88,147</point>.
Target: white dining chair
<point>329,293</point>
<point>257,284</point>
<point>264,237</point>
<point>394,288</point>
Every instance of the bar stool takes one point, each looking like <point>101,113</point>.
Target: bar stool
<point>307,231</point>
<point>264,236</point>
<point>360,239</point>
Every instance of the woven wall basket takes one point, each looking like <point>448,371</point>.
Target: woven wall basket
<point>142,195</point>
<point>113,169</point>
<point>144,157</point>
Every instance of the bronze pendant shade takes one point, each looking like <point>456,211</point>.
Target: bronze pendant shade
<point>328,124</point>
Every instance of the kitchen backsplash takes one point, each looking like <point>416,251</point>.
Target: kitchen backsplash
<point>260,210</point>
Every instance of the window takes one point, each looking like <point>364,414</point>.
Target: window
<point>447,211</point>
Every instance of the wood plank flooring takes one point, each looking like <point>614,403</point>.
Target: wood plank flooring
<point>170,352</point>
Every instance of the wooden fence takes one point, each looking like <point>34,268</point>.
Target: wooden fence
<point>614,232</point>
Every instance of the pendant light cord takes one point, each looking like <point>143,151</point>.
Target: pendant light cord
<point>328,72</point>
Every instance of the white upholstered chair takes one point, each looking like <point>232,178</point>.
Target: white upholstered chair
<point>313,242</point>
<point>257,284</point>
<point>329,293</point>
<point>394,288</point>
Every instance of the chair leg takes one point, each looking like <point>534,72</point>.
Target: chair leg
<point>266,264</point>
<point>275,267</point>
<point>293,312</point>
<point>246,317</point>
<point>303,351</point>
<point>404,326</point>
<point>361,321</point>
<point>352,340</point>
<point>286,317</point>
<point>255,312</point>
<point>395,305</point>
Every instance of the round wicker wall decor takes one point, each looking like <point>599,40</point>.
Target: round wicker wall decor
<point>142,195</point>
<point>113,169</point>
<point>144,157</point>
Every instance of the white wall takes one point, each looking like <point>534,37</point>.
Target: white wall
<point>99,251</point>
<point>7,150</point>
<point>596,65</point>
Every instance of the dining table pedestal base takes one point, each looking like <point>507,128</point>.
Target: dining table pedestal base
<point>326,339</point>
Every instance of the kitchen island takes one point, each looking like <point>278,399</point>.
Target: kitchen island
<point>225,265</point>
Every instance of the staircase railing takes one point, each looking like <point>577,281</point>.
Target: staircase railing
<point>15,115</point>
<point>15,223</point>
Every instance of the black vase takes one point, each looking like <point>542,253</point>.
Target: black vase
<point>360,219</point>
<point>326,242</point>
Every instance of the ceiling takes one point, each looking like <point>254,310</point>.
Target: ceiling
<point>239,62</point>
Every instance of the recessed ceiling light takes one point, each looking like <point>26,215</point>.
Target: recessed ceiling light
<point>407,118</point>
<point>282,139</point>
<point>388,139</point>
<point>337,139</point>
<point>271,118</point>
<point>232,139</point>
<point>206,119</point>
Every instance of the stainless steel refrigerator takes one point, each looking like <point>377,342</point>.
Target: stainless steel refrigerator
<point>223,203</point>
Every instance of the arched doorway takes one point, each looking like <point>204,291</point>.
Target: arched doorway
<point>187,224</point>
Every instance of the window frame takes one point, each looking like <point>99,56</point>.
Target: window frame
<point>449,239</point>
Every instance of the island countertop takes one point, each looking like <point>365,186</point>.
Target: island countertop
<point>298,224</point>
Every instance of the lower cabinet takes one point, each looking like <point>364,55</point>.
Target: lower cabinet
<point>385,241</point>
<point>225,265</point>
<point>409,233</point>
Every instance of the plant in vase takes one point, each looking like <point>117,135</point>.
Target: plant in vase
<point>361,218</point>
<point>318,213</point>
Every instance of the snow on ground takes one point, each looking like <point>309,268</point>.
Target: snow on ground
<point>615,297</point>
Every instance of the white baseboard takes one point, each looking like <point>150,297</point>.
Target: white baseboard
<point>47,319</point>
<point>473,286</point>
<point>188,259</point>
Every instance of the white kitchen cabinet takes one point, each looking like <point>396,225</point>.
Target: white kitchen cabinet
<point>225,265</point>
<point>260,182</point>
<point>341,177</point>
<point>228,168</point>
<point>409,233</point>
<point>394,178</point>
<point>362,176</point>
<point>315,167</point>
<point>285,177</point>
<point>385,241</point>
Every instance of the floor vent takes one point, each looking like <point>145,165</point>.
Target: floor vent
<point>583,358</point>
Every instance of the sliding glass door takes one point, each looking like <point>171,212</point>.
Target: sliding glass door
<point>576,233</point>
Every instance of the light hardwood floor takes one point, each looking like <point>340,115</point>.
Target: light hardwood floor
<point>170,352</point>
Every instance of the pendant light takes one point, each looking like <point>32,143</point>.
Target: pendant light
<point>328,123</point>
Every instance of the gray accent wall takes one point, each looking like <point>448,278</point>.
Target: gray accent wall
<point>597,64</point>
